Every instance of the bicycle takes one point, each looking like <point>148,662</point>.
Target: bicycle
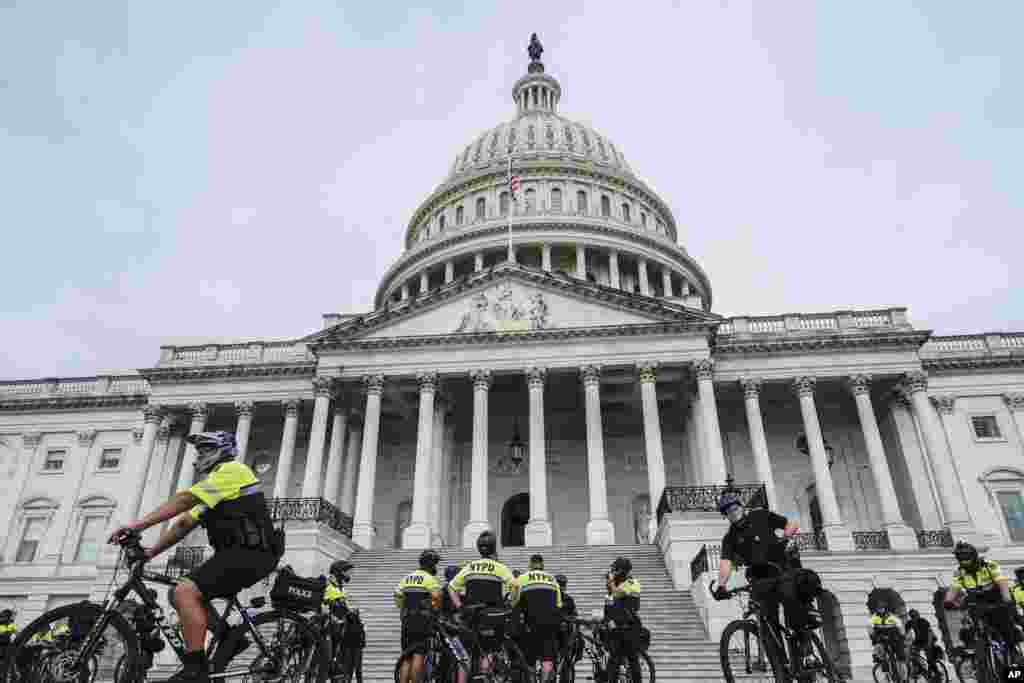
<point>333,626</point>
<point>921,671</point>
<point>445,653</point>
<point>963,664</point>
<point>606,666</point>
<point>763,648</point>
<point>889,667</point>
<point>991,655</point>
<point>290,649</point>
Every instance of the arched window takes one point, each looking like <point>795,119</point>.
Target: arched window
<point>1005,488</point>
<point>643,219</point>
<point>440,223</point>
<point>581,203</point>
<point>531,201</point>
<point>556,199</point>
<point>503,203</point>
<point>458,216</point>
<point>661,227</point>
<point>606,206</point>
<point>33,522</point>
<point>625,212</point>
<point>481,208</point>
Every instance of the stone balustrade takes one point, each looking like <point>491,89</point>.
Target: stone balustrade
<point>233,354</point>
<point>74,386</point>
<point>974,345</point>
<point>802,323</point>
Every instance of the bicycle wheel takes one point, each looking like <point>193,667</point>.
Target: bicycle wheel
<point>509,666</point>
<point>820,663</point>
<point>965,669</point>
<point>621,670</point>
<point>744,658</point>
<point>939,673</point>
<point>27,663</point>
<point>294,650</point>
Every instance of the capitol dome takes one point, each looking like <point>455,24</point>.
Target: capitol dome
<point>581,210</point>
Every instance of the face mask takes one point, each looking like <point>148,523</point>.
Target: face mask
<point>735,514</point>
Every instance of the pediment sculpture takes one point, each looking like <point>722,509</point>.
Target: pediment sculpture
<point>505,313</point>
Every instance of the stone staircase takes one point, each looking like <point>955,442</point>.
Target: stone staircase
<point>679,644</point>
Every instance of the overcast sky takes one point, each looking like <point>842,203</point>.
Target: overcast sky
<point>234,170</point>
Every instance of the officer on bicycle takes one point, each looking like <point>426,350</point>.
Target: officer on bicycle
<point>756,539</point>
<point>1017,593</point>
<point>885,630</point>
<point>228,502</point>
<point>924,639</point>
<point>621,611</point>
<point>537,596</point>
<point>984,579</point>
<point>335,595</point>
<point>7,632</point>
<point>418,596</point>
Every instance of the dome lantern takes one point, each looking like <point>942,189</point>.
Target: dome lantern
<point>536,92</point>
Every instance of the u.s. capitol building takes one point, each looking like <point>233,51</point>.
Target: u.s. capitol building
<point>576,388</point>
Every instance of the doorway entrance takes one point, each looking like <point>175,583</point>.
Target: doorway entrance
<point>815,508</point>
<point>515,514</point>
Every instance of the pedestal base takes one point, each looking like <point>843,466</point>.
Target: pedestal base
<point>416,536</point>
<point>472,531</point>
<point>839,539</point>
<point>600,532</point>
<point>364,535</point>
<point>901,537</point>
<point>538,532</point>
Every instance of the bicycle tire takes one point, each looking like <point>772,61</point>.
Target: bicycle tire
<point>126,636</point>
<point>828,666</point>
<point>627,676</point>
<point>773,667</point>
<point>313,670</point>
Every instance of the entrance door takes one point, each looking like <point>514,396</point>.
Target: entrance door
<point>812,497</point>
<point>514,516</point>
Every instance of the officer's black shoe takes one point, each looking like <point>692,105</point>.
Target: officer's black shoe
<point>195,669</point>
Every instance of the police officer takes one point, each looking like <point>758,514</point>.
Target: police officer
<point>1017,593</point>
<point>335,595</point>
<point>537,596</point>
<point>923,637</point>
<point>621,609</point>
<point>418,597</point>
<point>985,579</point>
<point>7,632</point>
<point>228,502</point>
<point>885,628</point>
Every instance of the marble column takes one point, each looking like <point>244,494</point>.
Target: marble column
<point>243,409</point>
<point>350,472</point>
<point>538,529</point>
<point>666,281</point>
<point>581,262</point>
<point>478,521</point>
<point>282,480</point>
<point>478,261</point>
<point>363,532</point>
<point>449,493</point>
<point>449,271</point>
<point>186,476</point>
<point>405,292</point>
<point>837,535</point>
<point>758,444</point>
<point>954,505</point>
<point>336,454</point>
<point>613,269</point>
<point>424,283</point>
<point>919,470</point>
<point>312,480</point>
<point>1015,404</point>
<point>437,492</point>
<point>156,490</point>
<point>600,530</point>
<point>545,257</point>
<point>901,536</point>
<point>652,440</point>
<point>713,469</point>
<point>641,271</point>
<point>152,417</point>
<point>417,534</point>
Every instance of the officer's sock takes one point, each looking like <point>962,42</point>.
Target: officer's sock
<point>195,662</point>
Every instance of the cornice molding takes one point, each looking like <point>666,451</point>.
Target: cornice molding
<point>86,402</point>
<point>821,342</point>
<point>976,363</point>
<point>207,372</point>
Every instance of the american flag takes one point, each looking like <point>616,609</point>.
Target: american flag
<point>513,184</point>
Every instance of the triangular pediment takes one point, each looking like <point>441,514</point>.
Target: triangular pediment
<point>511,298</point>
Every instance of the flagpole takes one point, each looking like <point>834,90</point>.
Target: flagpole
<point>512,197</point>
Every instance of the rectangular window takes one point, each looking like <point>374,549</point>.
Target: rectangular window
<point>1012,506</point>
<point>54,460</point>
<point>89,543</point>
<point>985,427</point>
<point>35,527</point>
<point>110,459</point>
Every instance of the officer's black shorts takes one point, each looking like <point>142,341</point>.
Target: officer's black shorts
<point>540,642</point>
<point>416,631</point>
<point>229,571</point>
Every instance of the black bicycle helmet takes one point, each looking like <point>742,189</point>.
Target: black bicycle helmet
<point>450,572</point>
<point>429,559</point>
<point>913,614</point>
<point>487,544</point>
<point>965,552</point>
<point>341,568</point>
<point>1019,573</point>
<point>622,566</point>
<point>726,501</point>
<point>562,580</point>
<point>6,615</point>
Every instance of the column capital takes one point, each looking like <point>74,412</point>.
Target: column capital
<point>915,381</point>
<point>590,374</point>
<point>153,413</point>
<point>704,369</point>
<point>804,386</point>
<point>648,372</point>
<point>86,437</point>
<point>163,434</point>
<point>198,410</point>
<point>946,403</point>
<point>291,406</point>
<point>481,378</point>
<point>31,439</point>
<point>859,384</point>
<point>427,381</point>
<point>243,408</point>
<point>373,384</point>
<point>323,386</point>
<point>535,376</point>
<point>751,387</point>
<point>1015,402</point>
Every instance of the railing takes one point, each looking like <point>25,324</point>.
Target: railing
<point>811,540</point>
<point>974,345</point>
<point>310,509</point>
<point>229,354</point>
<point>871,540</point>
<point>815,322</point>
<point>934,538</point>
<point>74,386</point>
<point>699,564</point>
<point>705,498</point>
<point>184,561</point>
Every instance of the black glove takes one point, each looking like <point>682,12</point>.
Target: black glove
<point>720,593</point>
